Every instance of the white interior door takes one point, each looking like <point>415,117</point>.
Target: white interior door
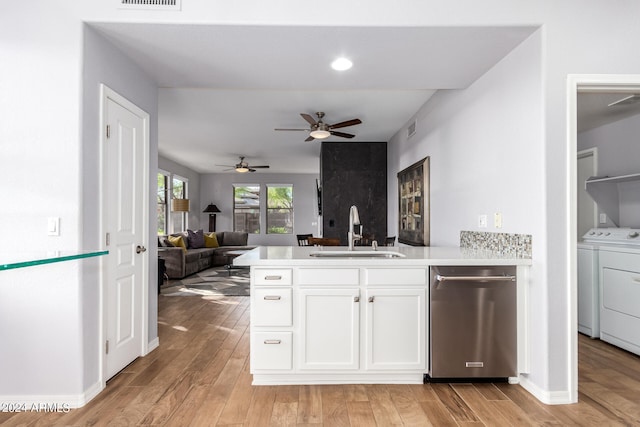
<point>125,186</point>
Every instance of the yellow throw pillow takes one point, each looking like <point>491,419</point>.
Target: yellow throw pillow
<point>210,240</point>
<point>178,241</point>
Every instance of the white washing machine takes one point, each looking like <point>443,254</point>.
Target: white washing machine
<point>618,279</point>
<point>588,290</point>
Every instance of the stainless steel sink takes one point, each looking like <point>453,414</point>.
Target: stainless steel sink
<point>357,254</point>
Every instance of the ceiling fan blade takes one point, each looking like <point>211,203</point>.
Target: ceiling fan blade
<point>342,134</point>
<point>259,167</point>
<point>310,138</point>
<point>351,122</point>
<point>251,170</point>
<point>309,119</point>
<point>304,130</point>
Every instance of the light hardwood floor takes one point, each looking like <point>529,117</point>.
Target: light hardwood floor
<point>199,376</point>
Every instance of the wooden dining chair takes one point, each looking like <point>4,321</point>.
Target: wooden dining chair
<point>323,241</point>
<point>303,239</point>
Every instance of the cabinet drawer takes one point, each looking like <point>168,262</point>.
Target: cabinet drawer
<point>329,276</point>
<point>395,276</point>
<point>271,350</point>
<point>271,307</point>
<point>272,276</point>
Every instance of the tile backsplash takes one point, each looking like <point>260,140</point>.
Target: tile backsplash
<point>503,243</point>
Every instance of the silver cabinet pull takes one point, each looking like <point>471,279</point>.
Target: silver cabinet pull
<point>272,297</point>
<point>272,277</point>
<point>140,249</point>
<point>371,299</point>
<point>356,299</point>
<point>272,341</point>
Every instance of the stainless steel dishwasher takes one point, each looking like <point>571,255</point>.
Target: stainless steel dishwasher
<point>472,323</point>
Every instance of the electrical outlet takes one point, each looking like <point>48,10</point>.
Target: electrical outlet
<point>482,221</point>
<point>497,220</point>
<point>603,218</point>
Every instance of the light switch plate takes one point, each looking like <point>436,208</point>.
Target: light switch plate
<point>482,221</point>
<point>53,226</point>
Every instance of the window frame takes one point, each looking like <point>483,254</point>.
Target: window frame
<point>179,219</point>
<point>164,204</point>
<point>269,211</point>
<point>256,215</point>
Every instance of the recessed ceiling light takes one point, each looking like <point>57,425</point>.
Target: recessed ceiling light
<point>341,64</point>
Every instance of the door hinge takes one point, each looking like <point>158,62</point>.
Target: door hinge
<point>106,347</point>
<point>108,131</point>
<point>107,239</point>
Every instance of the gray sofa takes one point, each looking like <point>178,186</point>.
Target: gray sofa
<point>180,263</point>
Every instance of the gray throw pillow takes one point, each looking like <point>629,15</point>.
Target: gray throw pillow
<point>235,238</point>
<point>196,239</point>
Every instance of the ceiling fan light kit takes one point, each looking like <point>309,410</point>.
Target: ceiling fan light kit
<point>320,134</point>
<point>321,131</point>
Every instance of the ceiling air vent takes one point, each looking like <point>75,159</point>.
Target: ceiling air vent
<point>151,4</point>
<point>411,130</point>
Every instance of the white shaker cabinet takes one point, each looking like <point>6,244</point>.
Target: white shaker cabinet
<point>396,329</point>
<point>348,325</point>
<point>271,320</point>
<point>329,332</point>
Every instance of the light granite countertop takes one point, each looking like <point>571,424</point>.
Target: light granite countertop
<point>413,256</point>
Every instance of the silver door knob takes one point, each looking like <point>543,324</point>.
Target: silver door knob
<point>140,249</point>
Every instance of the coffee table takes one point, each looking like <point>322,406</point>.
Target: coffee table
<point>230,256</point>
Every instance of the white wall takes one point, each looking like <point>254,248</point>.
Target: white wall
<point>48,168</point>
<point>218,189</point>
<point>618,146</point>
<point>193,189</point>
<point>618,154</point>
<point>40,163</point>
<point>103,63</point>
<point>486,157</point>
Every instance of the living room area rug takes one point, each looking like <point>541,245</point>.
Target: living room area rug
<point>215,281</point>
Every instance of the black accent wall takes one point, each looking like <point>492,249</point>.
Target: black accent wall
<point>354,173</point>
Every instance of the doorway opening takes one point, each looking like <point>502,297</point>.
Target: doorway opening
<point>603,85</point>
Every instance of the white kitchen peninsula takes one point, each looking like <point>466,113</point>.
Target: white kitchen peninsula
<point>332,320</point>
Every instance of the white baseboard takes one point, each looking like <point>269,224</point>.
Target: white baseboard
<point>546,397</point>
<point>153,344</point>
<point>54,403</point>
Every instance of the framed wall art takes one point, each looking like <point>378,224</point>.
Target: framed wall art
<point>413,195</point>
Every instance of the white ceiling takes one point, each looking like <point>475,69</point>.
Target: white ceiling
<point>594,110</point>
<point>225,88</point>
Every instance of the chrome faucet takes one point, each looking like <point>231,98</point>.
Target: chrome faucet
<point>354,219</point>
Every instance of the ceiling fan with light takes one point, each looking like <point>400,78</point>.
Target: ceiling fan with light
<point>243,166</point>
<point>322,130</point>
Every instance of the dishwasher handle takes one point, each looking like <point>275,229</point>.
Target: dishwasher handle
<point>441,278</point>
